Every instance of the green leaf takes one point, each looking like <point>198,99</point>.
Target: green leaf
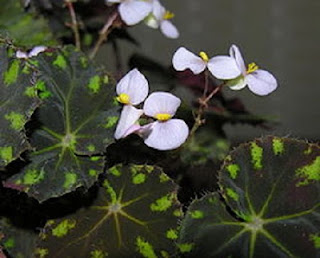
<point>75,126</point>
<point>24,28</point>
<point>16,106</point>
<point>204,146</point>
<point>271,186</point>
<point>135,215</point>
<point>17,242</point>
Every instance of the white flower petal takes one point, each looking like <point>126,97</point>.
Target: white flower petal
<point>132,129</point>
<point>113,1</point>
<point>161,103</point>
<point>224,67</point>
<point>167,135</point>
<point>129,116</point>
<point>36,50</point>
<point>184,59</point>
<point>236,54</point>
<point>133,12</point>
<point>169,30</point>
<point>135,85</point>
<point>158,10</point>
<point>237,83</point>
<point>21,54</point>
<point>261,82</point>
<point>152,22</point>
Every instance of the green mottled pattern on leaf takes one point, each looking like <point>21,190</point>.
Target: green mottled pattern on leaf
<point>16,108</point>
<point>25,28</point>
<point>17,242</point>
<point>274,199</point>
<point>120,222</point>
<point>72,131</point>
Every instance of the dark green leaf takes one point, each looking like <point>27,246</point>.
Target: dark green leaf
<point>135,215</point>
<point>17,242</point>
<point>24,28</point>
<point>77,120</point>
<point>272,189</point>
<point>17,104</point>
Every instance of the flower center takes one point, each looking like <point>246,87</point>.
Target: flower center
<point>168,15</point>
<point>163,117</point>
<point>252,67</point>
<point>123,98</point>
<point>204,56</point>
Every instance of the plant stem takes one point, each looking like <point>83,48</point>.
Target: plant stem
<point>74,25</point>
<point>198,121</point>
<point>103,34</point>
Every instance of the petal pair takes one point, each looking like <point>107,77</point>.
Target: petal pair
<point>164,134</point>
<point>132,89</point>
<point>33,52</point>
<point>222,67</point>
<point>167,133</point>
<point>159,19</point>
<point>133,11</point>
<point>230,68</point>
<point>260,82</point>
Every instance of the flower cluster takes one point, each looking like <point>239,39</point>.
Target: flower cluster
<point>151,11</point>
<point>166,133</point>
<point>230,68</point>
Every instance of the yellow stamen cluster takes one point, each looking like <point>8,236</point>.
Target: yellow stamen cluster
<point>204,56</point>
<point>163,117</point>
<point>168,15</point>
<point>123,98</point>
<point>252,67</point>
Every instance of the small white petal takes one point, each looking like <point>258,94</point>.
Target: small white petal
<point>161,103</point>
<point>133,12</point>
<point>224,67</point>
<point>237,83</point>
<point>135,85</point>
<point>261,82</point>
<point>169,30</point>
<point>184,59</point>
<point>167,135</point>
<point>21,54</point>
<point>132,129</point>
<point>152,22</point>
<point>129,116</point>
<point>113,1</point>
<point>158,10</point>
<point>36,50</point>
<point>236,54</point>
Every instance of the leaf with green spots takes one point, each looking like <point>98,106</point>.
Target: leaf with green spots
<point>121,221</point>
<point>271,205</point>
<point>16,107</point>
<point>25,28</point>
<point>203,147</point>
<point>16,241</point>
<point>72,127</point>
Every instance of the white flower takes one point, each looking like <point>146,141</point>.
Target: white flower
<point>33,52</point>
<point>133,11</point>
<point>166,133</point>
<point>160,18</point>
<point>132,89</point>
<point>184,59</point>
<point>259,81</point>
